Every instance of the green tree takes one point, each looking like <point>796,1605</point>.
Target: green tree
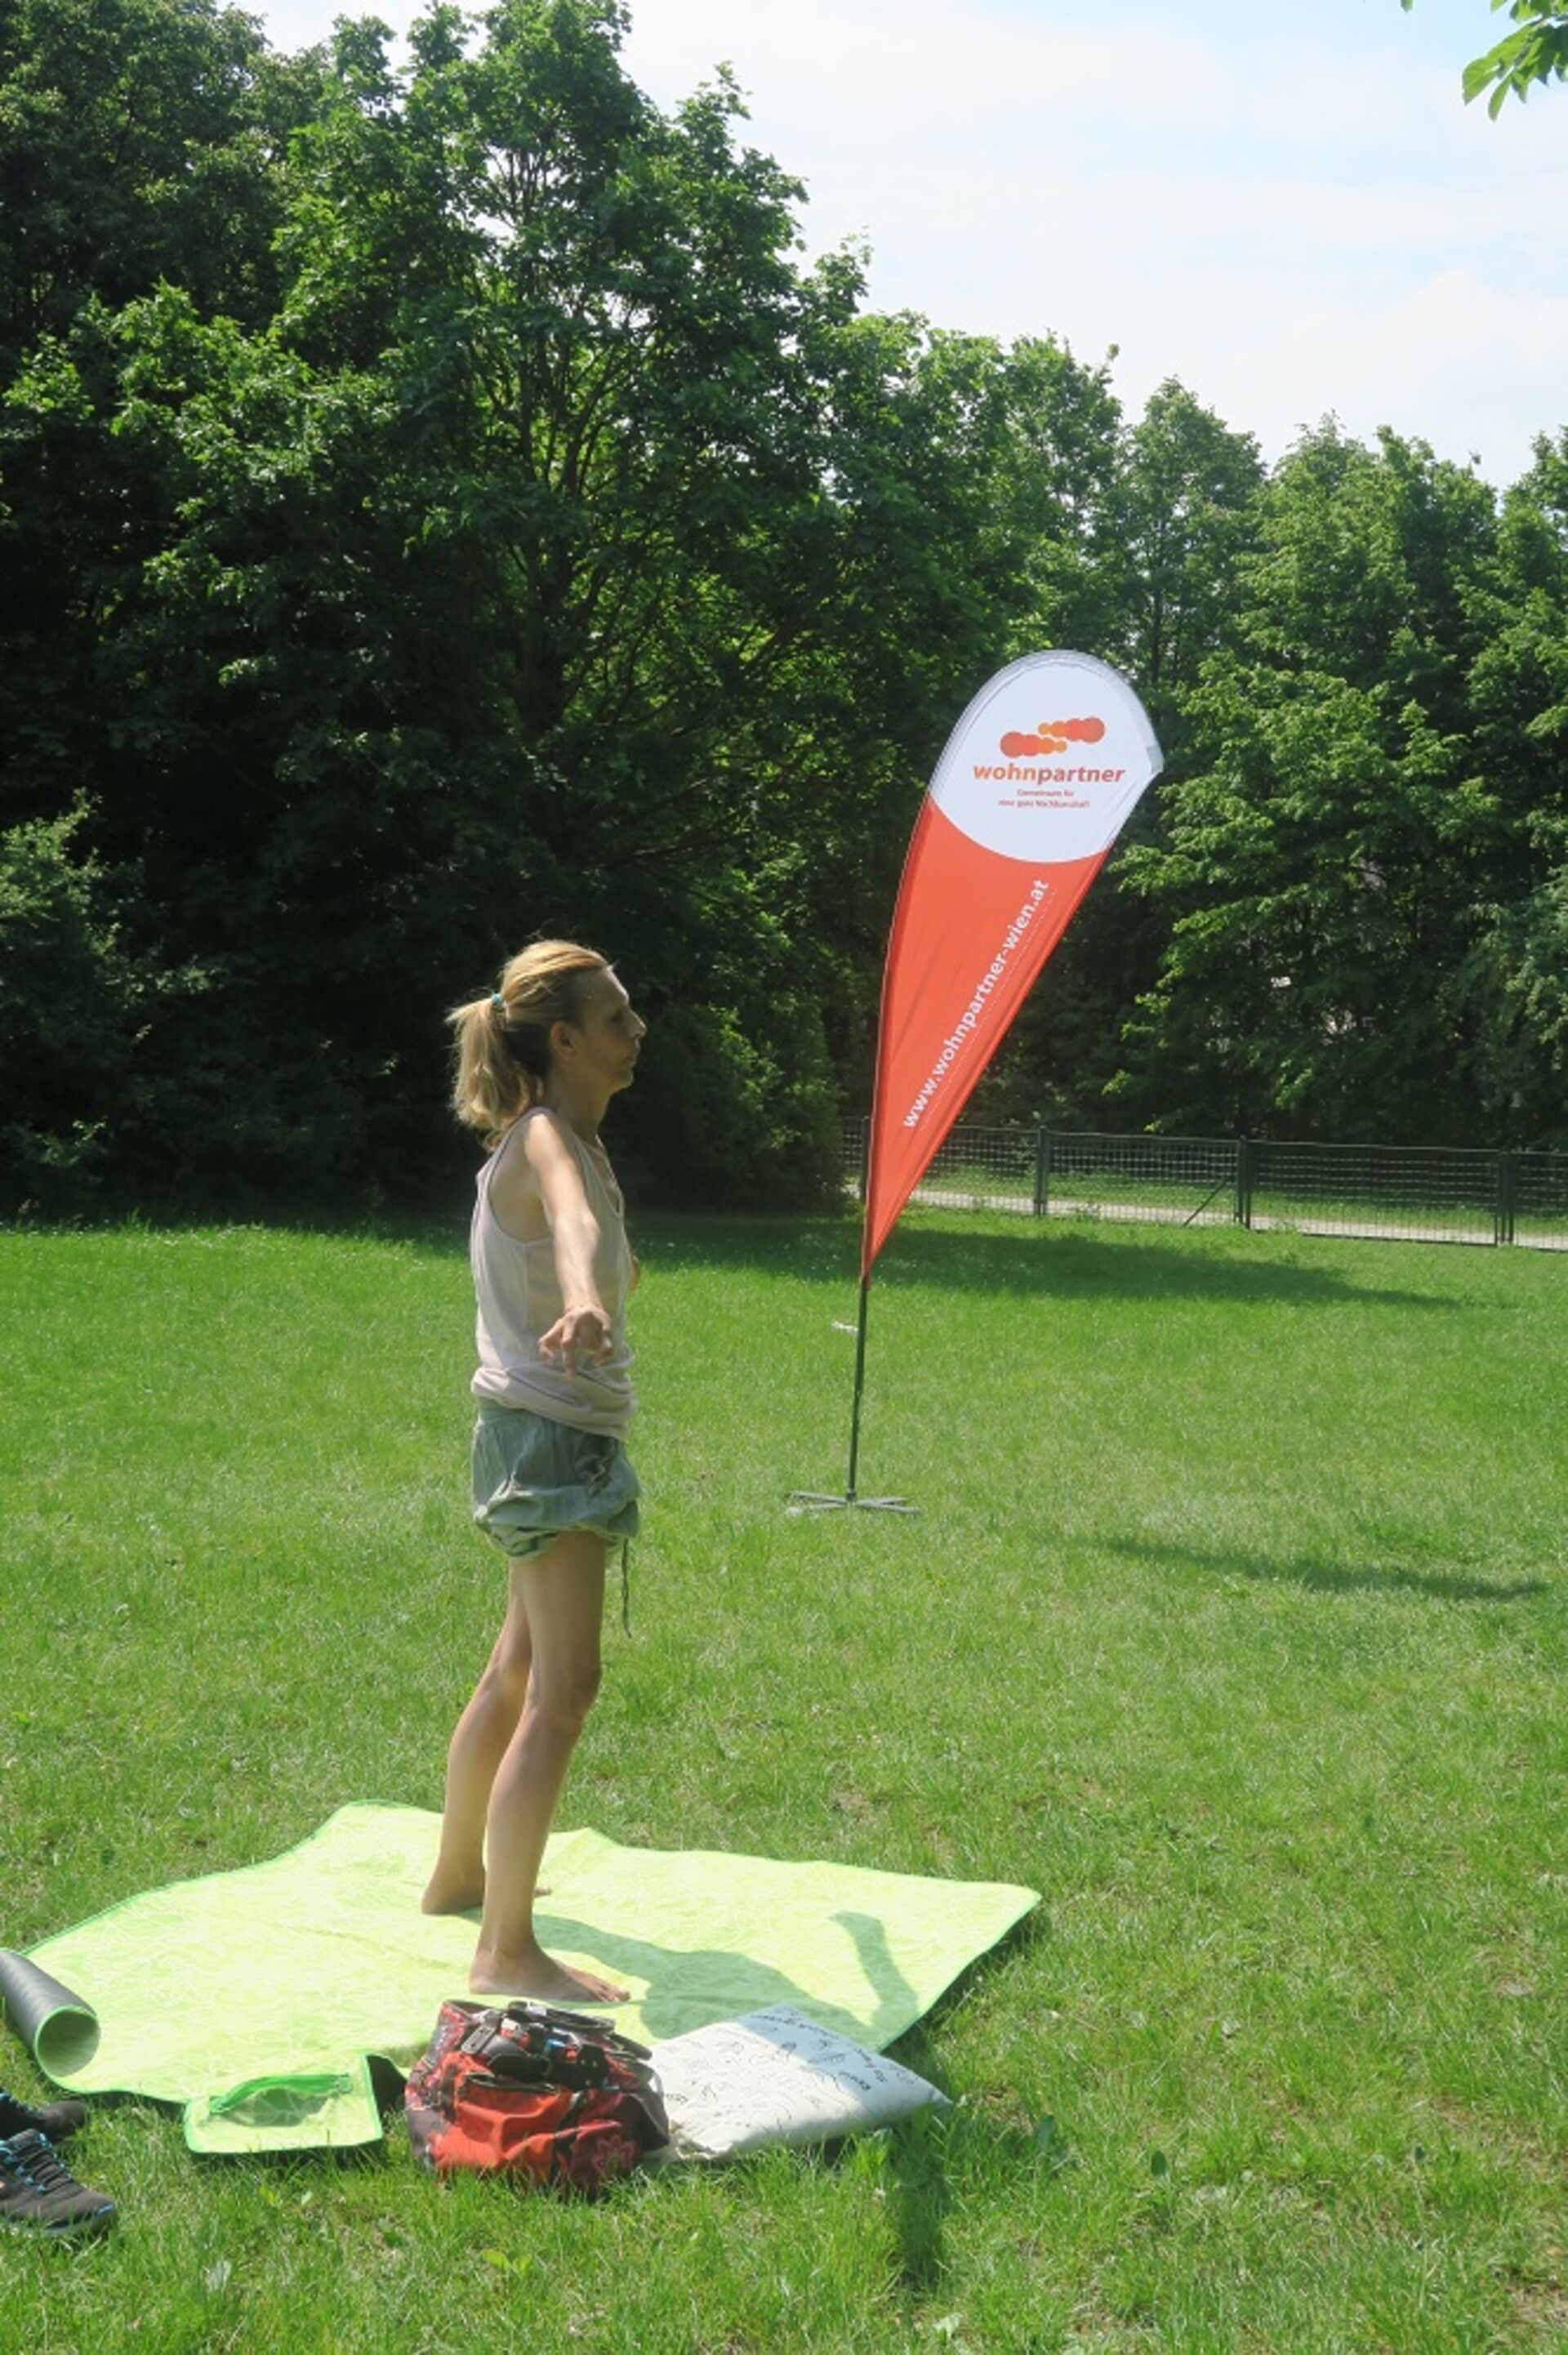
<point>69,1005</point>
<point>1320,864</point>
<point>1170,522</point>
<point>553,554</point>
<point>136,142</point>
<point>1518,689</point>
<point>963,518</point>
<point>1190,483</point>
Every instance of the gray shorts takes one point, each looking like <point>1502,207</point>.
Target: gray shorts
<point>535,1478</point>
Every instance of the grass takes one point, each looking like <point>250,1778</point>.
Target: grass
<point>1233,1620</point>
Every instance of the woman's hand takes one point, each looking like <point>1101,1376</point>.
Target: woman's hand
<point>581,1337</point>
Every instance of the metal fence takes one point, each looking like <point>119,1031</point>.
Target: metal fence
<point>1416,1193</point>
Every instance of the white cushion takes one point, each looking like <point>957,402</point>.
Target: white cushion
<point>774,2076</point>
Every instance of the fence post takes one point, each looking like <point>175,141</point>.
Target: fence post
<point>1041,1171</point>
<point>1243,1181</point>
<point>1503,1231</point>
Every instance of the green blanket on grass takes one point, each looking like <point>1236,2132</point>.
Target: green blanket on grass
<point>257,1998</point>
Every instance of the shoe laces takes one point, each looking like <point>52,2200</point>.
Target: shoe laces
<point>37,2159</point>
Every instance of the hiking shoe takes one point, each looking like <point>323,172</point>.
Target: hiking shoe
<point>55,2119</point>
<point>38,2193</point>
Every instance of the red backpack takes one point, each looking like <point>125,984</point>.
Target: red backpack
<point>536,2093</point>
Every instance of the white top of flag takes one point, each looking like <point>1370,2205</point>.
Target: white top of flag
<point>1048,759</point>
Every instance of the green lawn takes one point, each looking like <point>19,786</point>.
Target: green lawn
<point>1233,1620</point>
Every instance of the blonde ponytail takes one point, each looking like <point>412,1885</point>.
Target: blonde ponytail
<point>503,1041</point>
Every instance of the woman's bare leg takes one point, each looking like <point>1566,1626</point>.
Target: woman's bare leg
<point>478,1746</point>
<point>561,1597</point>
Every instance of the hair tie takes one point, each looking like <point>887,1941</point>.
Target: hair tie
<point>497,1003</point>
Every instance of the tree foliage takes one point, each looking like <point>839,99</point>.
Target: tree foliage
<point>438,506</point>
<point>1535,52</point>
<point>1367,808</point>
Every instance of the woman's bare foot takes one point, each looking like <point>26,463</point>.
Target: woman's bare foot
<point>539,1977</point>
<point>454,1894</point>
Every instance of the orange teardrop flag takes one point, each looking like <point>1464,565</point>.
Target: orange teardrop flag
<point>1036,781</point>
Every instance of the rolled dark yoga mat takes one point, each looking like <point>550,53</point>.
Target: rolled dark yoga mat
<point>58,2027</point>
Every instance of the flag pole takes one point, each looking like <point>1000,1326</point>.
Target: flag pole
<point>850,1496</point>
<point>812,1500</point>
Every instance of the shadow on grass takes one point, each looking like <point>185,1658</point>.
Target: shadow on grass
<point>1326,1578</point>
<point>928,2149</point>
<point>1075,1266</point>
<point>1030,1261</point>
<point>921,2195</point>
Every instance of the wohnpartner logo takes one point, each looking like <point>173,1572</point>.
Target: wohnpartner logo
<point>976,1007</point>
<point>1051,736</point>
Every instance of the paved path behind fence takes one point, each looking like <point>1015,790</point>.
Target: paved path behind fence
<point>1386,1193</point>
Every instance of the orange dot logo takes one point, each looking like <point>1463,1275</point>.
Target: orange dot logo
<point>1051,736</point>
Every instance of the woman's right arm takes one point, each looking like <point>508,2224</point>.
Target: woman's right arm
<point>582,1335</point>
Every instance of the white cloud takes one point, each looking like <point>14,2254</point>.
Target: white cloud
<point>1464,365</point>
<point>1292,228</point>
<point>1290,209</point>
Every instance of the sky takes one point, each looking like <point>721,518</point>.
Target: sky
<point>1290,209</point>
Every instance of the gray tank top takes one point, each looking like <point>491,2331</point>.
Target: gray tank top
<point>519,1298</point>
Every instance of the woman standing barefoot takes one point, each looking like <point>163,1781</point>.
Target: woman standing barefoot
<point>537,1065</point>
